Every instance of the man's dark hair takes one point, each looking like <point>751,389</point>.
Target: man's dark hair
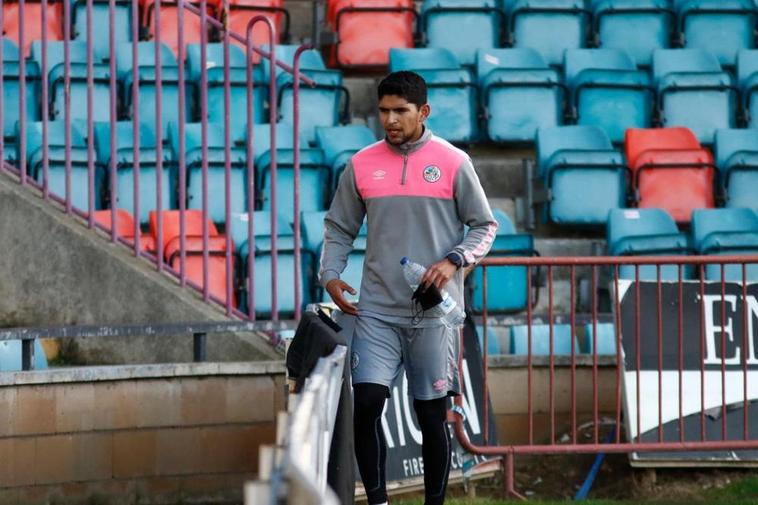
<point>405,84</point>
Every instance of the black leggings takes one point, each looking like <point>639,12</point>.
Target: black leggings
<point>371,447</point>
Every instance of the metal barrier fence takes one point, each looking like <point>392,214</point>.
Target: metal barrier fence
<point>665,309</point>
<point>105,72</point>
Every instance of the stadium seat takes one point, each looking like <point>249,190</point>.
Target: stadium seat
<point>670,170</point>
<point>340,143</point>
<point>727,231</point>
<point>237,85</point>
<point>101,23</point>
<point>147,84</point>
<point>10,356</point>
<point>493,340</point>
<point>477,25</point>
<point>636,26</point>
<point>722,27</point>
<point>124,227</point>
<point>693,91</point>
<point>11,92</point>
<point>646,232</point>
<point>550,26</point>
<point>562,336</point>
<point>737,161</point>
<point>78,76</point>
<point>125,166</point>
<point>367,29</point>
<point>169,23</point>
<point>606,339</point>
<point>216,162</point>
<point>242,11</point>
<point>585,177</point>
<point>193,226</point>
<point>32,22</point>
<point>262,255</point>
<point>608,91</point>
<point>747,75</point>
<point>451,94</point>
<point>519,92</point>
<point>507,287</point>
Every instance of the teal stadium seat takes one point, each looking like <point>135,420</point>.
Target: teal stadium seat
<point>636,26</point>
<point>507,287</point>
<point>562,339</point>
<point>519,92</point>
<point>747,75</point>
<point>11,92</point>
<point>340,143</point>
<point>101,24</point>
<point>126,165</point>
<point>78,91</point>
<point>606,339</point>
<point>727,231</point>
<point>584,175</point>
<point>10,356</point>
<point>476,25</point>
<point>493,342</point>
<point>693,91</point>
<point>452,91</point>
<point>722,27</point>
<point>647,232</point>
<point>608,91</point>
<point>737,160</point>
<point>550,26</point>
<point>237,85</point>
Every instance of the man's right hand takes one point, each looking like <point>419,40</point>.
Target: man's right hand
<point>335,288</point>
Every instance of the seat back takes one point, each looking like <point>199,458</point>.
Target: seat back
<point>625,223</point>
<point>169,24</point>
<point>540,338</point>
<point>639,140</point>
<point>524,58</point>
<point>730,142</point>
<point>669,61</point>
<point>573,138</point>
<point>32,22</point>
<point>145,57</point>
<point>436,58</point>
<point>124,221</point>
<point>606,339</point>
<point>10,356</point>
<point>577,60</point>
<point>747,67</point>
<point>724,229</point>
<point>339,143</point>
<point>550,26</point>
<point>241,12</point>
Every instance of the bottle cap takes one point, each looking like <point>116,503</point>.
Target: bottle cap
<point>404,260</point>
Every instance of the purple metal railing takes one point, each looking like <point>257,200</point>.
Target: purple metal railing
<point>664,312</point>
<point>226,296</point>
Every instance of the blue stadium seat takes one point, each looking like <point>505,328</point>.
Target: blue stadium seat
<point>10,356</point>
<point>262,255</point>
<point>722,27</point>
<point>606,339</point>
<point>747,75</point>
<point>78,92</point>
<point>493,342</point>
<point>216,169</point>
<point>584,175</point>
<point>476,24</point>
<point>125,166</point>
<point>550,26</point>
<point>693,91</point>
<point>646,232</point>
<point>101,24</point>
<point>726,231</point>
<point>608,91</point>
<point>520,93</point>
<point>452,91</point>
<point>737,160</point>
<point>11,92</point>
<point>147,84</point>
<point>636,26</point>
<point>340,143</point>
<point>237,85</point>
<point>562,336</point>
<point>507,287</point>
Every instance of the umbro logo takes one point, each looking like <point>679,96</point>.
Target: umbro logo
<point>379,175</point>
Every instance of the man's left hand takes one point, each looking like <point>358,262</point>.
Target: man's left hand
<point>438,274</point>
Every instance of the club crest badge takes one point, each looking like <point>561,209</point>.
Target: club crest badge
<point>432,173</point>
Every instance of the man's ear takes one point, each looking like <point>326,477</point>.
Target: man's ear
<point>425,110</point>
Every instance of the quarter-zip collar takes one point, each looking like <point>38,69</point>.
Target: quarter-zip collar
<point>410,147</point>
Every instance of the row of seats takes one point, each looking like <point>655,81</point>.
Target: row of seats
<point>366,31</point>
<point>652,232</point>
<point>668,168</point>
<point>514,340</point>
<point>517,92</point>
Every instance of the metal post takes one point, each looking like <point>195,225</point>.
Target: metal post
<point>198,347</point>
<point>27,354</point>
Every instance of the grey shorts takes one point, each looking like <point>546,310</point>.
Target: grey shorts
<point>429,355</point>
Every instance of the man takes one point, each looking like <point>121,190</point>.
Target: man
<point>417,192</point>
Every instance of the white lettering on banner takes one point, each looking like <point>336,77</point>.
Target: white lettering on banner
<point>413,466</point>
<point>469,402</point>
<point>712,307</point>
<point>415,432</point>
<point>752,303</point>
<point>386,428</point>
<point>399,420</point>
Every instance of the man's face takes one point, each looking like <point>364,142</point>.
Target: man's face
<point>402,121</point>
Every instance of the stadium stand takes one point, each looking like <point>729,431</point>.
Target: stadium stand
<point>726,231</point>
<point>366,30</point>
<point>11,92</point>
<point>737,160</point>
<point>670,170</point>
<point>541,335</point>
<point>169,23</point>
<point>241,12</point>
<point>32,22</point>
<point>606,339</point>
<point>452,91</point>
<point>519,93</point>
<point>124,227</point>
<point>339,143</point>
<point>122,16</point>
<point>608,91</point>
<point>747,74</point>
<point>585,177</point>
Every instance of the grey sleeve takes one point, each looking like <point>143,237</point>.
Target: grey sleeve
<point>474,211</point>
<point>341,226</point>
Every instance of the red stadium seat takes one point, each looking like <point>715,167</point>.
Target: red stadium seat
<point>32,22</point>
<point>367,29</point>
<point>170,23</point>
<point>671,170</point>
<point>242,11</point>
<point>124,227</point>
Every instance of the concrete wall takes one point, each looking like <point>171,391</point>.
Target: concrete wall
<point>136,434</point>
<point>55,271</point>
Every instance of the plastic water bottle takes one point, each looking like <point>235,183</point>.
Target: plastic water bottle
<point>448,310</point>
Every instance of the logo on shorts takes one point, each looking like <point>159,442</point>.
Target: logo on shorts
<point>440,385</point>
<point>432,173</point>
<point>354,360</point>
